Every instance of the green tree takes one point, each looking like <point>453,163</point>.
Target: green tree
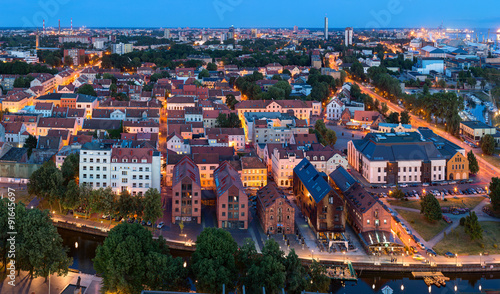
<point>203,74</point>
<point>267,270</point>
<point>211,66</point>
<point>295,274</point>
<point>405,117</point>
<point>46,182</point>
<point>285,86</point>
<point>130,260</point>
<point>87,90</point>
<point>441,83</point>
<point>152,205</point>
<point>213,262</point>
<point>30,143</point>
<point>125,204</point>
<point>430,207</point>
<point>472,227</point>
<point>231,101</point>
<point>71,196</point>
<point>39,247</point>
<point>68,61</point>
<point>230,120</point>
<point>473,164</point>
<point>70,167</point>
<point>384,108</point>
<point>319,282</point>
<point>398,194</point>
<point>488,144</point>
<point>495,193</point>
<point>330,137</point>
<point>393,117</point>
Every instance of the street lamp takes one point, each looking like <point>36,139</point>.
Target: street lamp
<point>480,262</point>
<point>312,252</point>
<point>344,255</point>
<point>456,258</point>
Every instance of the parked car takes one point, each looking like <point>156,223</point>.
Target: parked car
<point>413,249</point>
<point>421,245</point>
<point>160,225</point>
<point>403,185</point>
<point>431,252</point>
<point>425,185</point>
<point>449,254</point>
<point>418,257</point>
<point>447,219</point>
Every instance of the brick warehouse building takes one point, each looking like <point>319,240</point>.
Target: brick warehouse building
<point>276,214</point>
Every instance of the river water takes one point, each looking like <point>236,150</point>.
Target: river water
<point>368,282</point>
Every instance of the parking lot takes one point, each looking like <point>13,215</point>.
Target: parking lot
<point>438,190</point>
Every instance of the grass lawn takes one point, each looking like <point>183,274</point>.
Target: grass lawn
<point>470,202</point>
<point>464,246</point>
<point>420,224</point>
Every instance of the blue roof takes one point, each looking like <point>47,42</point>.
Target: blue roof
<point>342,178</point>
<point>317,186</point>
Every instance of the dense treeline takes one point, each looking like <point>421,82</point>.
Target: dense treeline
<point>130,261</point>
<point>23,68</point>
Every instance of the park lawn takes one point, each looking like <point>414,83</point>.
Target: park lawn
<point>470,202</point>
<point>419,223</point>
<point>462,245</point>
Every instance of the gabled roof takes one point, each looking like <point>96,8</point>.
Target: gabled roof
<point>269,194</point>
<point>225,177</point>
<point>342,178</point>
<point>186,167</point>
<point>314,182</point>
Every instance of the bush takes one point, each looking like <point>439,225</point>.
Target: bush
<point>445,199</point>
<point>412,221</point>
<point>495,246</point>
<point>444,234</point>
<point>482,245</point>
<point>462,221</point>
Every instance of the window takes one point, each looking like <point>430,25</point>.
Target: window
<point>223,214</point>
<point>124,173</point>
<point>368,221</point>
<point>124,180</point>
<point>223,205</point>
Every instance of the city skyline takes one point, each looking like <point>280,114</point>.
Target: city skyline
<point>223,13</point>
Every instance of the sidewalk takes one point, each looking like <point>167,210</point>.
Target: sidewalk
<point>25,285</point>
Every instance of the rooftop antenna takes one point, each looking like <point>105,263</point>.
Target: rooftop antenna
<point>44,26</point>
<point>71,24</point>
<point>59,26</point>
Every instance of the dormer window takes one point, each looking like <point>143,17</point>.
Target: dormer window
<point>124,160</point>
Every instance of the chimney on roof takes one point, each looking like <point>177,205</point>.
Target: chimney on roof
<point>131,152</point>
<point>120,152</point>
<point>151,152</point>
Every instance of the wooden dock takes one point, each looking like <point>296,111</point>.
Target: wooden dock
<point>431,278</point>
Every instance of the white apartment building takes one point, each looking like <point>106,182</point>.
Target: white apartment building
<point>334,109</point>
<point>396,158</point>
<point>283,160</point>
<point>121,48</point>
<point>178,144</point>
<point>132,169</point>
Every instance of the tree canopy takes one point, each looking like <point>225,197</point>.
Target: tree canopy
<point>473,164</point>
<point>429,206</point>
<point>213,262</point>
<point>130,260</point>
<point>87,90</point>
